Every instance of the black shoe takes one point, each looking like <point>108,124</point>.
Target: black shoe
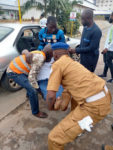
<point>41,115</point>
<point>112,126</point>
<point>110,81</point>
<point>102,75</point>
<point>103,147</point>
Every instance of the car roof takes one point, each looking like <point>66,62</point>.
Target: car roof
<point>15,25</point>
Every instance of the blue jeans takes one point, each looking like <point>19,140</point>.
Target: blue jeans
<point>23,81</point>
<point>43,87</point>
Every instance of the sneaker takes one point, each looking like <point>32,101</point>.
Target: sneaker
<point>110,81</point>
<point>107,147</point>
<point>102,75</point>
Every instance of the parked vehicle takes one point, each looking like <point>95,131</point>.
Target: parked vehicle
<point>13,39</point>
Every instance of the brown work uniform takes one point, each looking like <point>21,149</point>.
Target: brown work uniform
<point>81,84</point>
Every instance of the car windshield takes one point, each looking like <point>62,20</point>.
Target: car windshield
<point>4,32</point>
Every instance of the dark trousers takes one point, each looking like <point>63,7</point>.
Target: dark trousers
<point>109,58</point>
<point>89,62</point>
<point>105,64</point>
<point>23,81</point>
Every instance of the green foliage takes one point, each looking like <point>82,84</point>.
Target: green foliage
<point>76,26</point>
<point>55,6</point>
<point>63,18</point>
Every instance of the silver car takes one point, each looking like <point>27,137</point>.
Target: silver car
<point>13,39</point>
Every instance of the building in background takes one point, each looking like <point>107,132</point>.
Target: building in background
<point>104,8</point>
<point>33,12</point>
<point>10,10</point>
<point>106,5</point>
<point>91,4</point>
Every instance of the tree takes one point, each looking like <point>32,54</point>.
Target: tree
<point>64,14</point>
<point>28,5</point>
<point>55,6</point>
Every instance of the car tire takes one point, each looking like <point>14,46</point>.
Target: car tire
<point>9,84</point>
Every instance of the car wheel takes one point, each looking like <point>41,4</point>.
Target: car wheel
<point>9,84</point>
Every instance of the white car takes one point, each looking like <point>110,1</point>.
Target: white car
<point>72,42</point>
<point>13,39</point>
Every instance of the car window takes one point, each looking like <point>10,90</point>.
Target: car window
<point>36,30</point>
<point>4,32</point>
<point>28,38</point>
<point>28,33</point>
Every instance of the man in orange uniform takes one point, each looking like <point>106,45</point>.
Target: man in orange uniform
<point>89,105</point>
<point>107,147</point>
<point>25,74</point>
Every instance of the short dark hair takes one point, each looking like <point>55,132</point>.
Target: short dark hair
<point>112,14</point>
<point>51,19</point>
<point>88,13</point>
<point>42,15</point>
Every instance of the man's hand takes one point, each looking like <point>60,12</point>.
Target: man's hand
<point>51,98</point>
<point>58,103</point>
<point>28,56</point>
<point>72,51</point>
<point>104,51</point>
<point>25,51</point>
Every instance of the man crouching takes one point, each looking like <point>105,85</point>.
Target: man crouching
<point>89,105</point>
<point>25,73</point>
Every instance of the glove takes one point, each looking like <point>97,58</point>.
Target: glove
<point>86,123</point>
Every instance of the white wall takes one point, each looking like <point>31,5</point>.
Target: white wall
<point>7,2</point>
<point>32,13</point>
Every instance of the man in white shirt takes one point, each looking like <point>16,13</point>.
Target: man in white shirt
<point>43,21</point>
<point>43,78</point>
<point>108,51</point>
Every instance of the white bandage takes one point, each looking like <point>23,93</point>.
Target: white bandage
<point>86,123</point>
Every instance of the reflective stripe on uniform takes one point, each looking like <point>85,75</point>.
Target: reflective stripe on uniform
<point>23,61</point>
<point>16,65</point>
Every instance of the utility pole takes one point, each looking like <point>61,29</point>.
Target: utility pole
<point>20,19</point>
